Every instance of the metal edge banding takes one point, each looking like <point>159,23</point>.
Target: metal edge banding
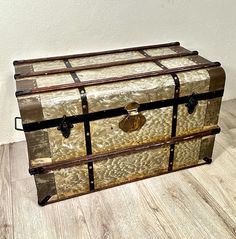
<point>19,62</point>
<point>175,108</point>
<point>126,151</point>
<point>119,111</point>
<point>84,103</point>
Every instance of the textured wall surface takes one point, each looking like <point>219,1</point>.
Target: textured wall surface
<point>31,29</point>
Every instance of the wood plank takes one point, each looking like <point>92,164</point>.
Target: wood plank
<point>60,220</point>
<point>6,228</point>
<point>227,139</point>
<point>218,178</point>
<point>188,207</point>
<point>122,212</point>
<point>52,220</point>
<point>19,161</point>
<point>228,115</point>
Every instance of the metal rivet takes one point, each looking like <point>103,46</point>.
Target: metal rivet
<point>90,167</point>
<point>172,150</point>
<point>84,106</point>
<point>171,163</point>
<point>82,91</point>
<point>87,134</point>
<point>91,182</point>
<point>174,116</point>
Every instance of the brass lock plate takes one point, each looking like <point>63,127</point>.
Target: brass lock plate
<point>134,120</point>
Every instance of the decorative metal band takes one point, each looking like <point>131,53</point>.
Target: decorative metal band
<point>175,108</point>
<point>174,120</point>
<point>19,62</point>
<point>116,79</point>
<point>126,151</point>
<point>119,111</point>
<point>84,102</point>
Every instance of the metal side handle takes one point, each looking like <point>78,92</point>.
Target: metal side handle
<point>16,124</point>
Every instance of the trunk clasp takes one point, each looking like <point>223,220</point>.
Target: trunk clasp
<point>134,120</point>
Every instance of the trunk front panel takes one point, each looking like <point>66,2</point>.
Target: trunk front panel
<point>109,172</point>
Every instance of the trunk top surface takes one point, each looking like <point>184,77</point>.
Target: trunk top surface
<point>47,73</point>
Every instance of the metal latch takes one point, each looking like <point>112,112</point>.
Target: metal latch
<point>65,127</point>
<point>134,120</point>
<point>192,103</point>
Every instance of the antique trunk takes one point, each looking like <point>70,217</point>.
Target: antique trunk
<point>97,120</point>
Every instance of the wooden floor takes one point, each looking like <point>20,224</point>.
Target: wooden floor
<point>196,203</point>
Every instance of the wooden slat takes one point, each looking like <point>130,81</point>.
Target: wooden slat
<point>6,227</point>
<point>116,79</point>
<point>102,65</point>
<point>18,62</point>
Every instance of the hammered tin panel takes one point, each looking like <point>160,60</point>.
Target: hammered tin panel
<point>71,181</point>
<point>159,51</point>
<point>191,123</point>
<point>49,65</point>
<point>115,95</point>
<point>50,80</point>
<point>117,71</point>
<point>67,148</point>
<point>186,153</point>
<point>177,62</point>
<point>113,171</point>
<point>113,57</point>
<point>56,104</point>
<point>106,134</point>
<point>193,82</point>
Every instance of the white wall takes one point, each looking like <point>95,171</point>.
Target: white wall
<point>30,28</point>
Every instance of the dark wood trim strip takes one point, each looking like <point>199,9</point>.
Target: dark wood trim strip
<point>115,79</point>
<point>126,151</point>
<point>102,65</point>
<point>130,181</point>
<point>18,62</point>
<point>84,105</point>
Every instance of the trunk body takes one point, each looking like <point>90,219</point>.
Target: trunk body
<point>97,120</point>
